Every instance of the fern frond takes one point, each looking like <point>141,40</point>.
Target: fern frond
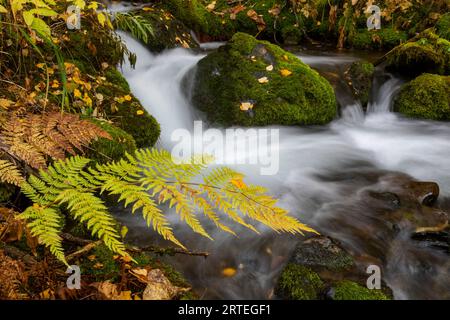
<point>45,223</point>
<point>89,209</point>
<point>9,173</point>
<point>138,26</point>
<point>35,137</point>
<point>145,180</point>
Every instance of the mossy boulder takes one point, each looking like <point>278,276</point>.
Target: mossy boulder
<point>104,150</point>
<point>299,283</point>
<point>128,113</point>
<point>426,97</point>
<point>425,53</point>
<point>168,32</point>
<point>360,77</point>
<point>254,83</point>
<point>349,290</point>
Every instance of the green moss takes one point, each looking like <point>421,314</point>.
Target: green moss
<point>229,77</point>
<point>427,53</point>
<point>426,97</point>
<point>6,192</point>
<point>348,290</point>
<point>385,38</point>
<point>104,150</point>
<point>299,283</point>
<point>443,26</point>
<point>102,267</point>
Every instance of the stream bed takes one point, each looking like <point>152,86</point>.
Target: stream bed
<point>326,175</point>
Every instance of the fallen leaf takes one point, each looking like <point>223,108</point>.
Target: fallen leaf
<point>269,68</point>
<point>139,112</point>
<point>245,106</point>
<point>252,14</point>
<point>285,72</point>
<point>210,7</point>
<point>229,272</point>
<point>263,80</point>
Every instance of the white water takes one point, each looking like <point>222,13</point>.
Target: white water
<point>378,141</point>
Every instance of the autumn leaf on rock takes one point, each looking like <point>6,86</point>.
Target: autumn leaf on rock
<point>229,272</point>
<point>263,80</point>
<point>245,106</point>
<point>285,72</point>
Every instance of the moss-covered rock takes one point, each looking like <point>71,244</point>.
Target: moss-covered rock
<point>385,38</point>
<point>299,283</point>
<point>322,254</point>
<point>104,150</point>
<point>360,77</point>
<point>126,111</point>
<point>426,97</point>
<point>168,31</point>
<point>443,26</point>
<point>349,290</point>
<point>426,53</point>
<point>250,82</point>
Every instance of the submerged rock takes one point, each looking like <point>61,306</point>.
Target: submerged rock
<point>360,77</point>
<point>426,97</point>
<point>282,89</point>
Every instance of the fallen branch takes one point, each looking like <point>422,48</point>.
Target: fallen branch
<point>169,251</point>
<point>83,250</point>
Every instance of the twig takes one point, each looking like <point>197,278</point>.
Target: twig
<point>19,254</point>
<point>77,240</point>
<point>83,250</point>
<point>169,251</point>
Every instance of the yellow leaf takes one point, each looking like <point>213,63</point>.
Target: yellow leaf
<point>210,7</point>
<point>245,106</point>
<point>285,72</point>
<point>77,93</point>
<point>229,272</point>
<point>101,19</point>
<point>238,183</point>
<point>127,97</point>
<point>263,80</point>
<point>124,295</point>
<point>87,100</point>
<point>5,103</point>
<point>140,112</point>
<point>3,9</point>
<point>55,84</point>
<point>285,57</point>
<point>93,5</point>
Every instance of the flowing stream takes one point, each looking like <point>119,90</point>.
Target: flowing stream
<point>324,173</point>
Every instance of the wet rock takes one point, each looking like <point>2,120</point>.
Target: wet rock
<point>321,269</point>
<point>322,253</point>
<point>286,91</point>
<point>360,76</point>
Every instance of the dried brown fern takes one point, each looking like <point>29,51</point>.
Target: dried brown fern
<point>35,138</point>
